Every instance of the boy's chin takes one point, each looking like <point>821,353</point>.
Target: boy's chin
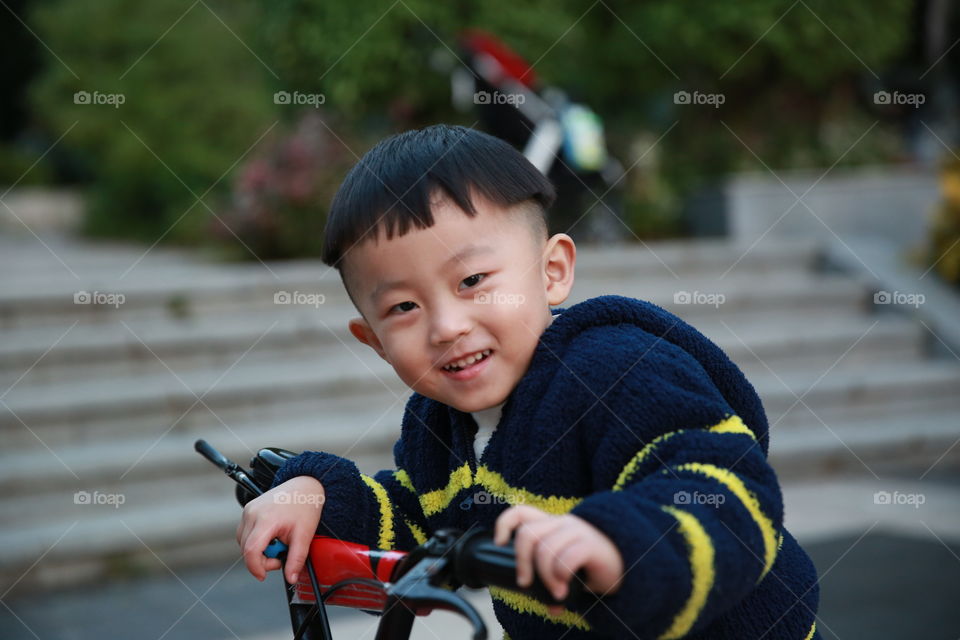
<point>472,405</point>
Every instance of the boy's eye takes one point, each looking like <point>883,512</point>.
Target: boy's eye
<point>473,280</point>
<point>403,307</point>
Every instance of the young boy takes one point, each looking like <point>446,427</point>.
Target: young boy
<point>629,444</point>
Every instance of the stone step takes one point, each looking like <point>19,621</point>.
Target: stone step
<point>186,294</point>
<point>878,446</point>
<point>165,397</point>
<point>710,297</point>
<point>41,355</point>
<point>194,289</point>
<point>151,345</point>
<point>372,423</point>
<point>867,391</point>
<point>163,476</point>
<point>117,264</point>
<point>74,340</point>
<point>183,521</point>
<point>83,411</point>
<point>345,427</point>
<point>23,256</point>
<point>684,258</point>
<point>775,343</point>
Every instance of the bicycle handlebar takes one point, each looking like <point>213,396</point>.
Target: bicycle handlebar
<point>474,561</point>
<point>399,584</point>
<point>479,562</point>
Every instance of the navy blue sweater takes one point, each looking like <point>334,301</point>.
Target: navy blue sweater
<point>634,421</point>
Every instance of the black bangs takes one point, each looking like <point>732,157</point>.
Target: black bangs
<point>394,183</point>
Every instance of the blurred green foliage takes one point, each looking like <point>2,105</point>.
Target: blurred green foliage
<point>790,74</point>
<point>194,100</point>
<point>20,167</point>
<point>199,86</point>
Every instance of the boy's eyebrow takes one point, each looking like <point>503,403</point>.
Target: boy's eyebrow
<point>464,253</point>
<point>383,287</point>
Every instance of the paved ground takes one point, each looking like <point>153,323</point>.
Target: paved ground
<point>234,605</point>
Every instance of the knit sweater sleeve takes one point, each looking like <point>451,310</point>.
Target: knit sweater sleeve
<point>381,511</point>
<point>683,490</point>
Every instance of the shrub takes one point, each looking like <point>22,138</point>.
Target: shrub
<point>281,194</point>
<point>193,100</point>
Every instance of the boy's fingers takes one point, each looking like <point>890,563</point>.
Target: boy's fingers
<point>262,565</point>
<point>543,560</point>
<point>511,519</point>
<point>254,561</point>
<point>253,546</point>
<point>569,561</point>
<point>272,564</point>
<point>247,525</point>
<point>296,556</point>
<point>503,527</point>
<point>526,545</point>
<point>243,531</point>
<point>548,555</point>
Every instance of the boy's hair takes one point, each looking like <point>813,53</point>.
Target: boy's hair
<point>394,184</point>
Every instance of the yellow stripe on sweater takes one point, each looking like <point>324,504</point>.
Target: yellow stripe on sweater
<point>497,486</point>
<point>701,556</point>
<point>813,630</point>
<point>631,466</point>
<point>404,479</point>
<point>436,501</point>
<point>439,499</point>
<point>730,480</point>
<point>386,538</point>
<point>733,424</point>
<point>418,535</point>
<point>525,604</point>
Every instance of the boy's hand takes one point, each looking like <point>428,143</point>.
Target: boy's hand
<point>558,546</point>
<point>290,512</point>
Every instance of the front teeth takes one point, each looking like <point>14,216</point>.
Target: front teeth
<point>465,362</point>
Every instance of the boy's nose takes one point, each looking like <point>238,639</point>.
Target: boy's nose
<point>448,325</point>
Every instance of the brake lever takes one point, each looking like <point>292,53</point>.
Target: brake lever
<point>415,590</point>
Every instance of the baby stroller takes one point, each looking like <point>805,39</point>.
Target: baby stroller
<point>562,138</point>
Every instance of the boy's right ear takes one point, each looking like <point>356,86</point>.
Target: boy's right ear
<point>362,332</point>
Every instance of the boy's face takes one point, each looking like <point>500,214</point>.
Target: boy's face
<point>463,288</point>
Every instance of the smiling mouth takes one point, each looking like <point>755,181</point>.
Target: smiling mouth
<point>470,360</point>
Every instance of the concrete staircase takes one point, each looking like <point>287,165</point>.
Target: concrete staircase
<point>100,403</point>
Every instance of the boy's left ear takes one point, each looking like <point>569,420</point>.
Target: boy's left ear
<point>559,259</point>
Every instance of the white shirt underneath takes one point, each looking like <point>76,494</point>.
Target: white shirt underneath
<point>487,420</point>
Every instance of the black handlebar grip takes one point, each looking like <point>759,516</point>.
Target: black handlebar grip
<point>478,562</point>
<point>211,454</point>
